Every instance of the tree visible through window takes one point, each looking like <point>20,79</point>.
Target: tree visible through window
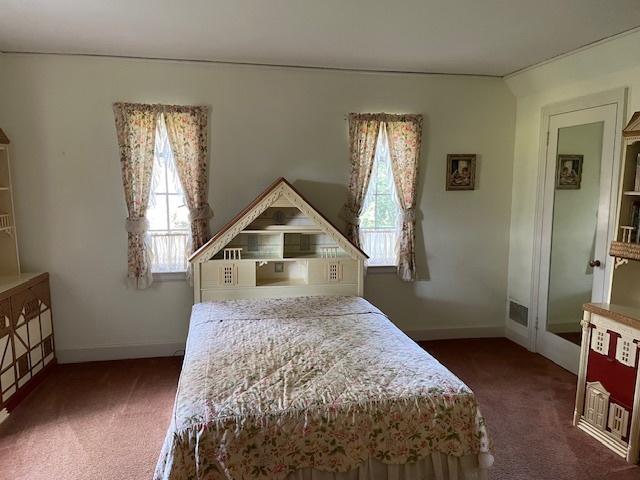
<point>167,213</point>
<point>379,221</point>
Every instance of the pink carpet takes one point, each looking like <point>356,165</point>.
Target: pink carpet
<point>107,420</point>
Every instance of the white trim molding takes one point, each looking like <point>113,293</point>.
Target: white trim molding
<point>98,353</point>
<point>616,96</point>
<point>496,331</point>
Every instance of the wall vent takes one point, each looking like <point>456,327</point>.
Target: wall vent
<point>518,313</point>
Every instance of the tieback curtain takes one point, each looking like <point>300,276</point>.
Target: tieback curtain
<point>404,134</point>
<point>363,136</point>
<point>405,138</point>
<point>187,132</point>
<point>136,130</point>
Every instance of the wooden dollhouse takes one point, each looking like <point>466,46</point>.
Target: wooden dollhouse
<point>607,398</point>
<point>608,392</point>
<point>278,246</point>
<point>26,326</point>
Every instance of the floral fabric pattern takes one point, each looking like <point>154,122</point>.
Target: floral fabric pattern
<point>187,132</point>
<point>136,131</point>
<point>404,133</point>
<point>272,386</point>
<point>405,136</point>
<point>363,136</point>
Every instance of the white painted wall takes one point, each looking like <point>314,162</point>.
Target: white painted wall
<point>609,65</point>
<point>265,122</point>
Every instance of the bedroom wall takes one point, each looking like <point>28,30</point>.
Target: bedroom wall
<point>265,123</point>
<point>608,65</point>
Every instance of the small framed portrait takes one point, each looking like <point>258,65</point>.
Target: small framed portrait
<point>569,172</point>
<point>461,171</point>
<point>278,267</point>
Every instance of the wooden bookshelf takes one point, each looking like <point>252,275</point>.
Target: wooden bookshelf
<point>9,260</point>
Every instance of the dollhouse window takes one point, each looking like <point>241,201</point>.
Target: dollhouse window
<point>618,420</point>
<point>167,213</point>
<point>600,341</point>
<point>333,273</point>
<point>626,352</point>
<point>229,275</point>
<point>380,217</point>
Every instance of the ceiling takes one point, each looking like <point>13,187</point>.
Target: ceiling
<point>487,37</point>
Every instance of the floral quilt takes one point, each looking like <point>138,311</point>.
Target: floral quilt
<point>270,386</point>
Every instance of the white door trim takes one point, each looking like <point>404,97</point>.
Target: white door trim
<point>619,98</point>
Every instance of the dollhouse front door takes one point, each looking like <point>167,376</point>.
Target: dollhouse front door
<point>578,195</point>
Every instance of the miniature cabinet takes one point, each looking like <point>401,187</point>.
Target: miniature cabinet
<point>608,393</point>
<point>27,347</point>
<point>278,246</point>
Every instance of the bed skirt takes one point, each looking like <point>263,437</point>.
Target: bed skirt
<point>435,467</point>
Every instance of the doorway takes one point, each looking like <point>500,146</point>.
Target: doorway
<point>577,201</point>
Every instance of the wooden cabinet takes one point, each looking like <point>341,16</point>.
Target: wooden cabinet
<point>27,347</point>
<point>608,396</point>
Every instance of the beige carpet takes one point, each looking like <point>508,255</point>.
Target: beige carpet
<point>107,421</point>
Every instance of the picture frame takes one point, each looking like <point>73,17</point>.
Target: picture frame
<point>569,172</point>
<point>461,171</point>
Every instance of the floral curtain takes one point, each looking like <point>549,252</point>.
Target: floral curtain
<point>405,134</point>
<point>363,136</point>
<point>187,132</point>
<point>136,130</point>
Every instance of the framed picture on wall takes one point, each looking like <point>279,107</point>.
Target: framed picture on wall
<point>569,172</point>
<point>461,171</point>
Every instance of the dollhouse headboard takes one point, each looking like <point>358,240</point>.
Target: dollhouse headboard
<point>278,246</point>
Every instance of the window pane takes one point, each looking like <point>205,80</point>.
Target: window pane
<point>158,182</point>
<point>379,220</point>
<point>385,177</point>
<point>167,212</point>
<point>169,251</point>
<point>157,212</point>
<point>386,211</point>
<point>368,216</point>
<point>178,213</point>
<point>168,180</point>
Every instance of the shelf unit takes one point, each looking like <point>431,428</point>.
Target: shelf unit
<point>627,245</point>
<point>9,259</point>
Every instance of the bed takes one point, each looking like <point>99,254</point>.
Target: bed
<point>316,388</point>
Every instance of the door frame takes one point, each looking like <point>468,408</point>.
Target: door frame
<point>617,97</point>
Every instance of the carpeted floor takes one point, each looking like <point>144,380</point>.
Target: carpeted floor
<point>106,421</point>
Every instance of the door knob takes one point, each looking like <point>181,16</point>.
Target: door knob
<point>594,263</point>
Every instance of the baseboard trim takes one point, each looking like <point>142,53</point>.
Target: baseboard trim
<point>453,333</point>
<point>119,352</point>
<point>517,334</point>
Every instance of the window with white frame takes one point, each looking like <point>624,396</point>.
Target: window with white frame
<point>167,213</point>
<point>380,218</point>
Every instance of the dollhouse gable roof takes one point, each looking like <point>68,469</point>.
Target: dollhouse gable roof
<point>598,387</point>
<point>280,193</point>
<point>633,127</point>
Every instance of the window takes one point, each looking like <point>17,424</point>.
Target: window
<point>380,218</point>
<point>167,212</point>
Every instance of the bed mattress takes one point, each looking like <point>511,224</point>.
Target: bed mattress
<point>273,387</point>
